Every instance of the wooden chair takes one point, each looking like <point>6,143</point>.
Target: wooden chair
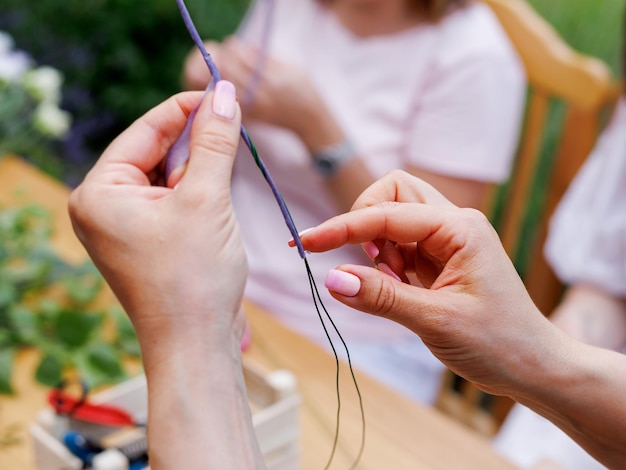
<point>575,93</point>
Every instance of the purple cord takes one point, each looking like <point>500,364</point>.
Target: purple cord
<point>177,152</point>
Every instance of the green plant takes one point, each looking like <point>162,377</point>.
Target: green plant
<point>48,304</point>
<point>31,120</point>
<point>589,26</point>
<point>119,58</point>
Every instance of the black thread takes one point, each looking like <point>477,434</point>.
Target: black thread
<point>317,298</point>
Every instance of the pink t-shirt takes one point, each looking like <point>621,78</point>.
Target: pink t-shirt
<point>447,97</point>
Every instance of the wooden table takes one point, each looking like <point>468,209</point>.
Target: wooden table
<point>400,434</point>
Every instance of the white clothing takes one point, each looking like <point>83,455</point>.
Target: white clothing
<point>587,238</point>
<point>526,438</point>
<point>586,244</point>
<point>446,97</point>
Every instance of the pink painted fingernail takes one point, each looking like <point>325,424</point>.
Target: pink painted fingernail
<point>343,283</point>
<point>383,267</point>
<point>224,99</point>
<point>292,242</point>
<point>371,250</point>
<point>246,338</point>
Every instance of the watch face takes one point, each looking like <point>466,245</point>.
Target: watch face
<point>328,161</point>
<point>326,165</point>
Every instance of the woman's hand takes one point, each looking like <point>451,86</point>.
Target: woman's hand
<point>175,260</point>
<point>271,91</point>
<point>173,257</point>
<point>473,311</point>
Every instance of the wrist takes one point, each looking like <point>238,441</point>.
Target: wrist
<point>203,400</point>
<point>178,336</point>
<point>317,127</point>
<point>329,160</point>
<point>554,365</point>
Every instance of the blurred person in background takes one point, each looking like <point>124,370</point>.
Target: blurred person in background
<point>337,93</point>
<point>586,248</point>
<point>182,289</point>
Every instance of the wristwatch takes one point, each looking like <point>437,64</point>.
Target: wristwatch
<point>328,160</point>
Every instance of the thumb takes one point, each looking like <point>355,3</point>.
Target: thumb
<point>214,140</point>
<point>372,291</point>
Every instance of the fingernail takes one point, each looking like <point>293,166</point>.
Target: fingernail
<point>224,99</point>
<point>246,339</point>
<point>292,242</point>
<point>302,232</point>
<point>383,267</point>
<point>371,250</point>
<point>343,283</point>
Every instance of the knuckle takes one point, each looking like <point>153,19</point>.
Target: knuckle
<point>78,206</point>
<point>474,219</point>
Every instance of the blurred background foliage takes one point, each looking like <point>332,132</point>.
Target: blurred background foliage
<point>592,27</point>
<point>121,57</point>
<point>118,58</point>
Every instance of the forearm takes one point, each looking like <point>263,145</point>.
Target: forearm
<point>320,130</point>
<point>198,411</point>
<point>593,317</point>
<point>581,389</point>
<point>462,192</point>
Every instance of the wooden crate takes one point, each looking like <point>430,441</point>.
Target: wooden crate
<point>273,398</point>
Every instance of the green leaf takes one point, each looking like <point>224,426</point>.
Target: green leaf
<point>24,322</point>
<point>99,364</point>
<point>83,284</point>
<point>8,293</point>
<point>84,288</point>
<point>75,328</point>
<point>103,357</point>
<point>6,370</point>
<point>49,371</point>
<point>28,273</point>
<point>6,338</point>
<point>126,339</point>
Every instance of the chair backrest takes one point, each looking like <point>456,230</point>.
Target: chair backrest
<point>570,97</point>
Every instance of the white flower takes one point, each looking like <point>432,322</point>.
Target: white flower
<point>6,43</point>
<point>51,121</point>
<point>13,66</point>
<point>44,84</point>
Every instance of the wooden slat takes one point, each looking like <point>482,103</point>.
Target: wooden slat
<point>524,174</point>
<point>551,64</point>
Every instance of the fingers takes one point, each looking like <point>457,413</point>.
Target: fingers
<point>214,141</point>
<point>398,222</point>
<point>243,62</point>
<point>371,291</point>
<point>400,186</point>
<point>146,141</point>
<point>245,56</point>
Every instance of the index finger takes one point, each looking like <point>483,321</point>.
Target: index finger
<point>398,222</point>
<point>400,186</point>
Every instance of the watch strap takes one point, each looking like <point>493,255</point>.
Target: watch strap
<point>327,161</point>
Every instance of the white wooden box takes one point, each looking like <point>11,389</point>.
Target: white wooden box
<point>273,398</point>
